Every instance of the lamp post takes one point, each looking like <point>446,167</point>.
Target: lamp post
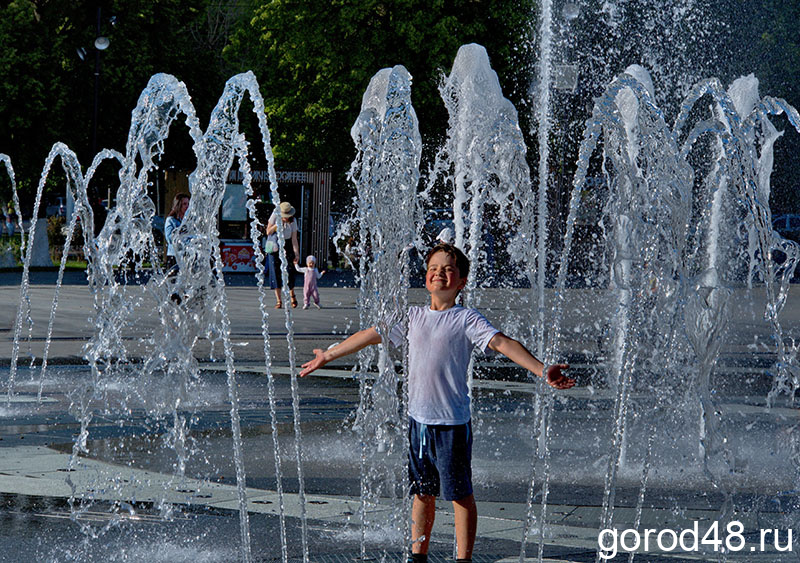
<point>566,82</point>
<point>101,43</point>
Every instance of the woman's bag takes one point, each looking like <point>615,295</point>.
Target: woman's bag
<point>271,244</point>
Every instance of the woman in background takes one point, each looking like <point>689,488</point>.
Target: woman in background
<point>286,213</point>
<point>180,204</point>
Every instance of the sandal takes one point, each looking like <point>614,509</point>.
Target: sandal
<point>279,305</point>
<point>294,301</point>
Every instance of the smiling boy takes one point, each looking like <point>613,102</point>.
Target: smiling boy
<point>441,338</point>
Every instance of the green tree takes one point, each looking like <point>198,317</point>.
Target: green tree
<point>314,60</point>
<point>31,116</point>
<point>769,30</point>
<point>47,90</point>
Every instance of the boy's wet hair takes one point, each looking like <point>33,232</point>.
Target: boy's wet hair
<point>462,262</point>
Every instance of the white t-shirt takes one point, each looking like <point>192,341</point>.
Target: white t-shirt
<point>288,228</point>
<point>440,344</point>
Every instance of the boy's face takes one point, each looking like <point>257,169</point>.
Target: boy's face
<point>443,276</point>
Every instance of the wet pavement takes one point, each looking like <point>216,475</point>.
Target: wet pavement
<point>187,509</point>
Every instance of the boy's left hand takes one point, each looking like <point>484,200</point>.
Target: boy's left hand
<point>311,365</point>
<point>556,379</point>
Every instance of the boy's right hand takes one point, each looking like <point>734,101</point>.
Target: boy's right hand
<point>318,361</point>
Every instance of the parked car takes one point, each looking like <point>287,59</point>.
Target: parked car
<point>58,207</point>
<point>440,218</point>
<point>158,233</point>
<point>158,224</point>
<point>788,226</point>
<point>436,220</point>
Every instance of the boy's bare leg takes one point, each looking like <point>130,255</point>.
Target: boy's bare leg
<point>466,520</point>
<point>423,511</point>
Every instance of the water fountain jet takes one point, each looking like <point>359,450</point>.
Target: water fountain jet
<point>672,291</point>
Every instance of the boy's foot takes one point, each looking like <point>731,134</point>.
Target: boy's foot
<point>317,306</point>
<point>305,306</point>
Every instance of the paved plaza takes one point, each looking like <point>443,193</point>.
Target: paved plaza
<point>37,431</point>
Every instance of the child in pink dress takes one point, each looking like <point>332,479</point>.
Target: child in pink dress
<point>311,275</point>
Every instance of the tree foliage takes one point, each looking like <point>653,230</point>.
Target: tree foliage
<point>314,60</point>
<point>766,42</point>
<point>47,90</point>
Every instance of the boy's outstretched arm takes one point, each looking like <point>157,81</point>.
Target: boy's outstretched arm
<point>350,345</point>
<point>518,354</point>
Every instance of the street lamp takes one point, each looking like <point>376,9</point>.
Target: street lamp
<point>101,43</point>
<point>565,80</point>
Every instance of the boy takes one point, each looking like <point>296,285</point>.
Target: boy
<point>441,339</point>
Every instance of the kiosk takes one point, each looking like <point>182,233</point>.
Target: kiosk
<point>308,191</point>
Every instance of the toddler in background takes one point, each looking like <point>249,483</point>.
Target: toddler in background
<point>311,275</point>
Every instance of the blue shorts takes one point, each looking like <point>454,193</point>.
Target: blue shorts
<point>440,456</point>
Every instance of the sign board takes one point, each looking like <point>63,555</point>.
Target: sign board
<point>237,256</point>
